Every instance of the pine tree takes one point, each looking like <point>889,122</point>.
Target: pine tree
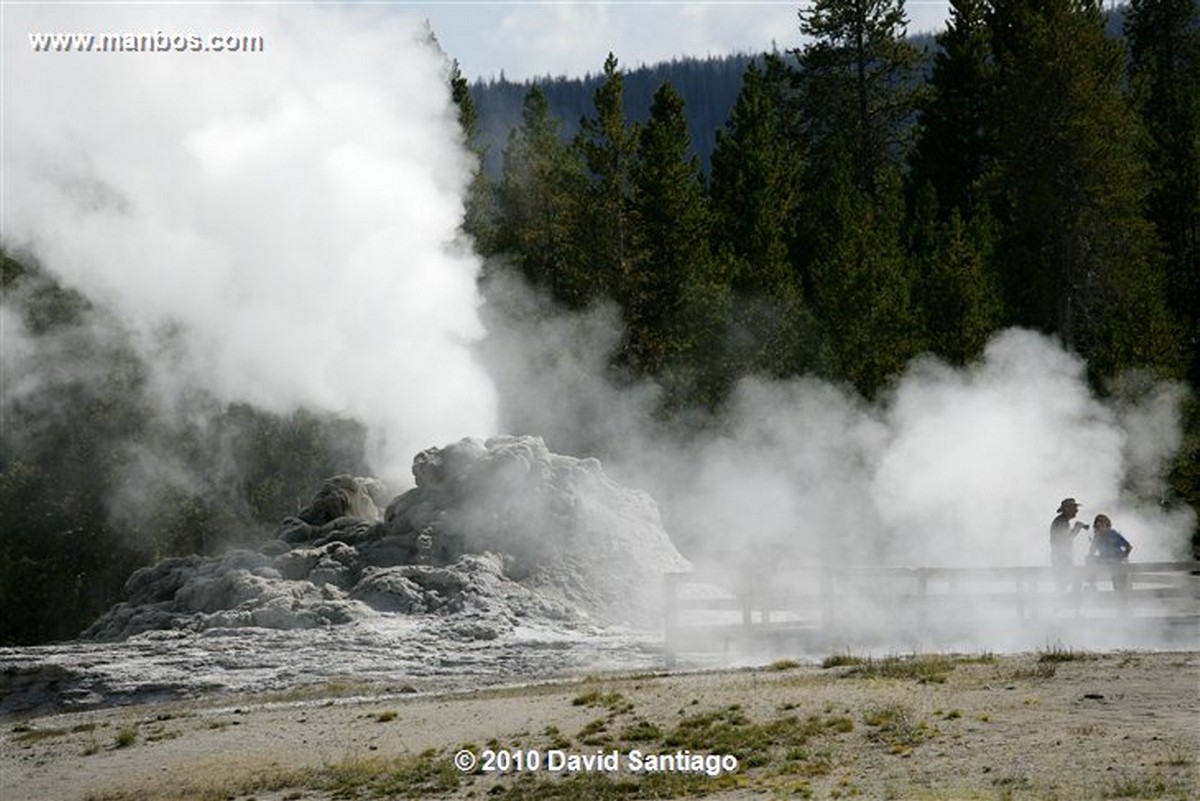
<point>862,291</point>
<point>1164,68</point>
<point>953,148</point>
<point>460,93</point>
<point>956,292</point>
<point>479,217</point>
<point>756,195</point>
<point>856,100</point>
<point>675,300</point>
<point>609,145</point>
<point>1078,257</point>
<point>858,83</point>
<point>538,205</point>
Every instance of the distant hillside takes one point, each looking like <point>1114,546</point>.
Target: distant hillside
<point>709,88</point>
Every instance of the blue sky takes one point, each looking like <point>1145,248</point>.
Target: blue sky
<point>532,39</point>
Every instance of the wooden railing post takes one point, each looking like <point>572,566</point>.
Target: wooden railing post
<point>1022,591</point>
<point>827,602</point>
<point>670,616</point>
<point>1121,583</point>
<point>745,595</point>
<point>922,601</point>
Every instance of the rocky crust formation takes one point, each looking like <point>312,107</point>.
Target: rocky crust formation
<point>493,534</point>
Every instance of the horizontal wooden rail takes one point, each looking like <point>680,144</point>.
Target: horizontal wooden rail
<point>811,597</point>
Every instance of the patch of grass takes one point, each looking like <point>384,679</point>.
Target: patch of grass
<point>31,735</point>
<point>613,702</point>
<point>426,774</point>
<point>805,765</point>
<point>210,788</point>
<point>602,787</point>
<point>594,733</point>
<point>925,668</point>
<point>387,716</point>
<point>897,727</point>
<point>845,789</point>
<point>157,733</point>
<point>333,688</point>
<point>555,738</point>
<point>1042,670</point>
<point>125,737</point>
<point>430,773</point>
<point>783,664</point>
<point>1011,781</point>
<point>725,731</point>
<point>730,731</point>
<point>1178,758</point>
<point>1057,653</point>
<point>841,660</point>
<point>1147,786</point>
<point>640,731</point>
<point>839,725</point>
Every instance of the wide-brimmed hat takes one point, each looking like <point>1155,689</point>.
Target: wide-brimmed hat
<point>1062,507</point>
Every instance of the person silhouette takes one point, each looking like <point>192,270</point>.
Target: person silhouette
<point>1062,538</point>
<point>1108,547</point>
<point>1063,533</point>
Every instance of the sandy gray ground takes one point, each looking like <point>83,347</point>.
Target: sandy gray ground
<point>1108,726</point>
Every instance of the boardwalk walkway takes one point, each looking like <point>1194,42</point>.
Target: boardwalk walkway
<point>813,610</point>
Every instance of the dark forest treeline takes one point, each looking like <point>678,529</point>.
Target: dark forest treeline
<point>867,201</point>
<point>710,85</point>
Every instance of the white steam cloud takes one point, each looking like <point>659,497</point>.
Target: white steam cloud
<point>952,467</point>
<point>290,216</point>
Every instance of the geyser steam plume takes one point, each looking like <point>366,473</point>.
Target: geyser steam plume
<point>950,467</point>
<point>290,216</point>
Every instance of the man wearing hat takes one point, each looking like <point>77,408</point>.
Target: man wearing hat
<point>1062,533</point>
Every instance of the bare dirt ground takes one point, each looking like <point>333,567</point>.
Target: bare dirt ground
<point>1050,725</point>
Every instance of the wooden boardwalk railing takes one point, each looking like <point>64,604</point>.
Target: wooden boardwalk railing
<point>815,606</point>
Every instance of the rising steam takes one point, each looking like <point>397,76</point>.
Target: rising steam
<point>289,217</point>
<point>952,467</point>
